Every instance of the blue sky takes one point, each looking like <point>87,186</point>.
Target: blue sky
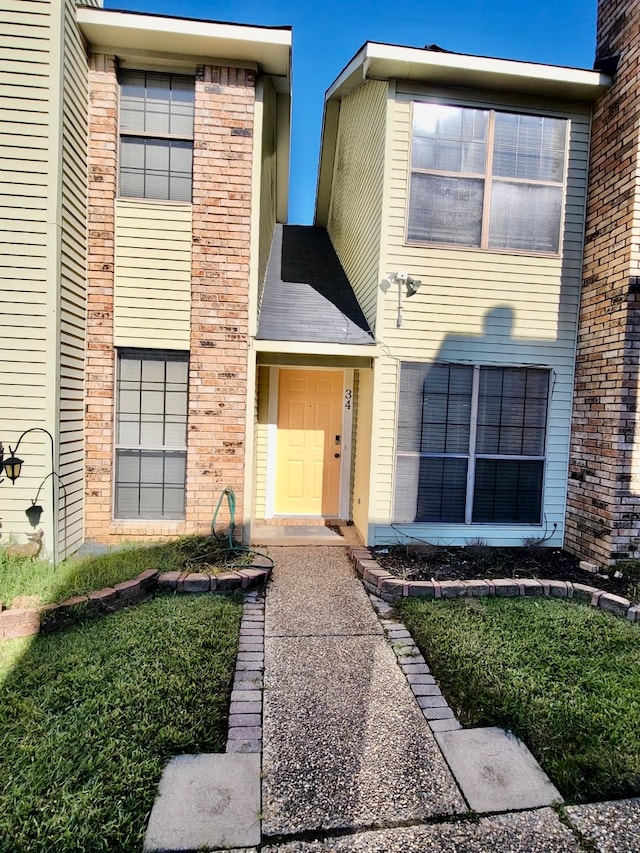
<point>326,35</point>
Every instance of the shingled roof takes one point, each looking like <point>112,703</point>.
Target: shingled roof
<point>307,296</point>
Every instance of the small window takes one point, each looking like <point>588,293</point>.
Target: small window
<point>486,179</point>
<point>151,434</point>
<point>156,135</point>
<point>471,444</point>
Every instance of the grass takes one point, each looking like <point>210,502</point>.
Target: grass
<point>89,716</point>
<point>563,677</point>
<point>20,577</point>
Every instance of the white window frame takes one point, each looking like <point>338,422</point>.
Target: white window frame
<point>488,180</point>
<point>473,455</point>
<point>153,136</point>
<point>142,354</point>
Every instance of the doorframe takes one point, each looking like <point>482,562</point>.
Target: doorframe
<point>345,449</point>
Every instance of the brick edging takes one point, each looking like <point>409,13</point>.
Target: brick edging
<point>390,588</point>
<point>26,622</point>
<point>245,711</point>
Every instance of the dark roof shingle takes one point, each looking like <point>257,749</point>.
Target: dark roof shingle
<point>307,296</point>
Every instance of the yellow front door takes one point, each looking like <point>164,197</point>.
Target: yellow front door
<point>309,442</point>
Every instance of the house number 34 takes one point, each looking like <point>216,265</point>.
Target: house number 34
<point>348,394</point>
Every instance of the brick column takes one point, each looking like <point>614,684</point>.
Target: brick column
<point>222,172</point>
<point>603,514</point>
<point>99,381</point>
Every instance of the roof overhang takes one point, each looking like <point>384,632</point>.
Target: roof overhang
<point>376,61</point>
<point>130,33</point>
<point>421,66</point>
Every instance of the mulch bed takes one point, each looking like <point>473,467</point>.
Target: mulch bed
<point>420,562</point>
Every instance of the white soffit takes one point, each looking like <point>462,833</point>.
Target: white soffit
<point>121,32</point>
<point>384,62</point>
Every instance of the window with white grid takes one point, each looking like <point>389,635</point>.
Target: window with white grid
<point>156,135</point>
<point>487,179</point>
<point>151,434</point>
<point>471,444</point>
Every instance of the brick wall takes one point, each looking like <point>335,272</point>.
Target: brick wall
<point>222,175</point>
<point>222,169</point>
<point>99,379</point>
<point>603,515</point>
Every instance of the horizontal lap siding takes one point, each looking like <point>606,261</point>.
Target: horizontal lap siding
<point>262,438</point>
<point>357,189</point>
<point>152,301</point>
<point>268,182</point>
<point>24,245</point>
<point>482,307</point>
<point>73,282</point>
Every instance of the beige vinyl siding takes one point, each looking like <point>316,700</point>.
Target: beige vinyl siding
<point>362,453</point>
<point>487,308</point>
<point>25,246</point>
<point>73,265</point>
<point>152,301</point>
<point>261,444</point>
<point>355,210</point>
<point>268,177</point>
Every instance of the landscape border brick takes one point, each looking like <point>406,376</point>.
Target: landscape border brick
<point>26,622</point>
<point>390,588</point>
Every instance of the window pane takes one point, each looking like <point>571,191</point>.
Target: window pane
<point>509,400</point>
<point>412,378</point>
<point>529,147</point>
<point>446,210</point>
<point>430,489</point>
<point>149,484</point>
<point>145,477</point>
<point>132,98</point>
<point>508,491</point>
<point>132,156</point>
<point>447,409</point>
<point>450,139</point>
<point>525,217</point>
<point>435,408</point>
<point>153,102</point>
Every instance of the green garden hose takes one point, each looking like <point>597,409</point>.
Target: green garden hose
<point>235,554</point>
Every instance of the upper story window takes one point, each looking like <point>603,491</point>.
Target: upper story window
<point>486,179</point>
<point>156,135</point>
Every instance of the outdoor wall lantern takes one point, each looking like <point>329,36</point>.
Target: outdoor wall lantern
<point>34,514</point>
<point>12,467</point>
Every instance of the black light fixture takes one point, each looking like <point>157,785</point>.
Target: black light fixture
<point>412,285</point>
<point>34,514</point>
<point>12,466</point>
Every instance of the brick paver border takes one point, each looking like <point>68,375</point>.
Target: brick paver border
<point>390,588</point>
<point>26,622</point>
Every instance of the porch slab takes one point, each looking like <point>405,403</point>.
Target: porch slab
<point>294,534</point>
<point>206,802</point>
<point>495,770</point>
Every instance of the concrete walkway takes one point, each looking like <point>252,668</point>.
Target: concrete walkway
<point>357,754</point>
<point>349,760</point>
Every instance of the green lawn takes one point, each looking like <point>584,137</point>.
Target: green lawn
<point>564,677</point>
<point>78,576</point>
<point>90,715</point>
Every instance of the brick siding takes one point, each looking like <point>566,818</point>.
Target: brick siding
<point>222,181</point>
<point>603,513</point>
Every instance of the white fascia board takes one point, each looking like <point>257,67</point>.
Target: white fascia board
<point>384,61</point>
<point>118,32</point>
<point>375,61</point>
<point>316,348</point>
